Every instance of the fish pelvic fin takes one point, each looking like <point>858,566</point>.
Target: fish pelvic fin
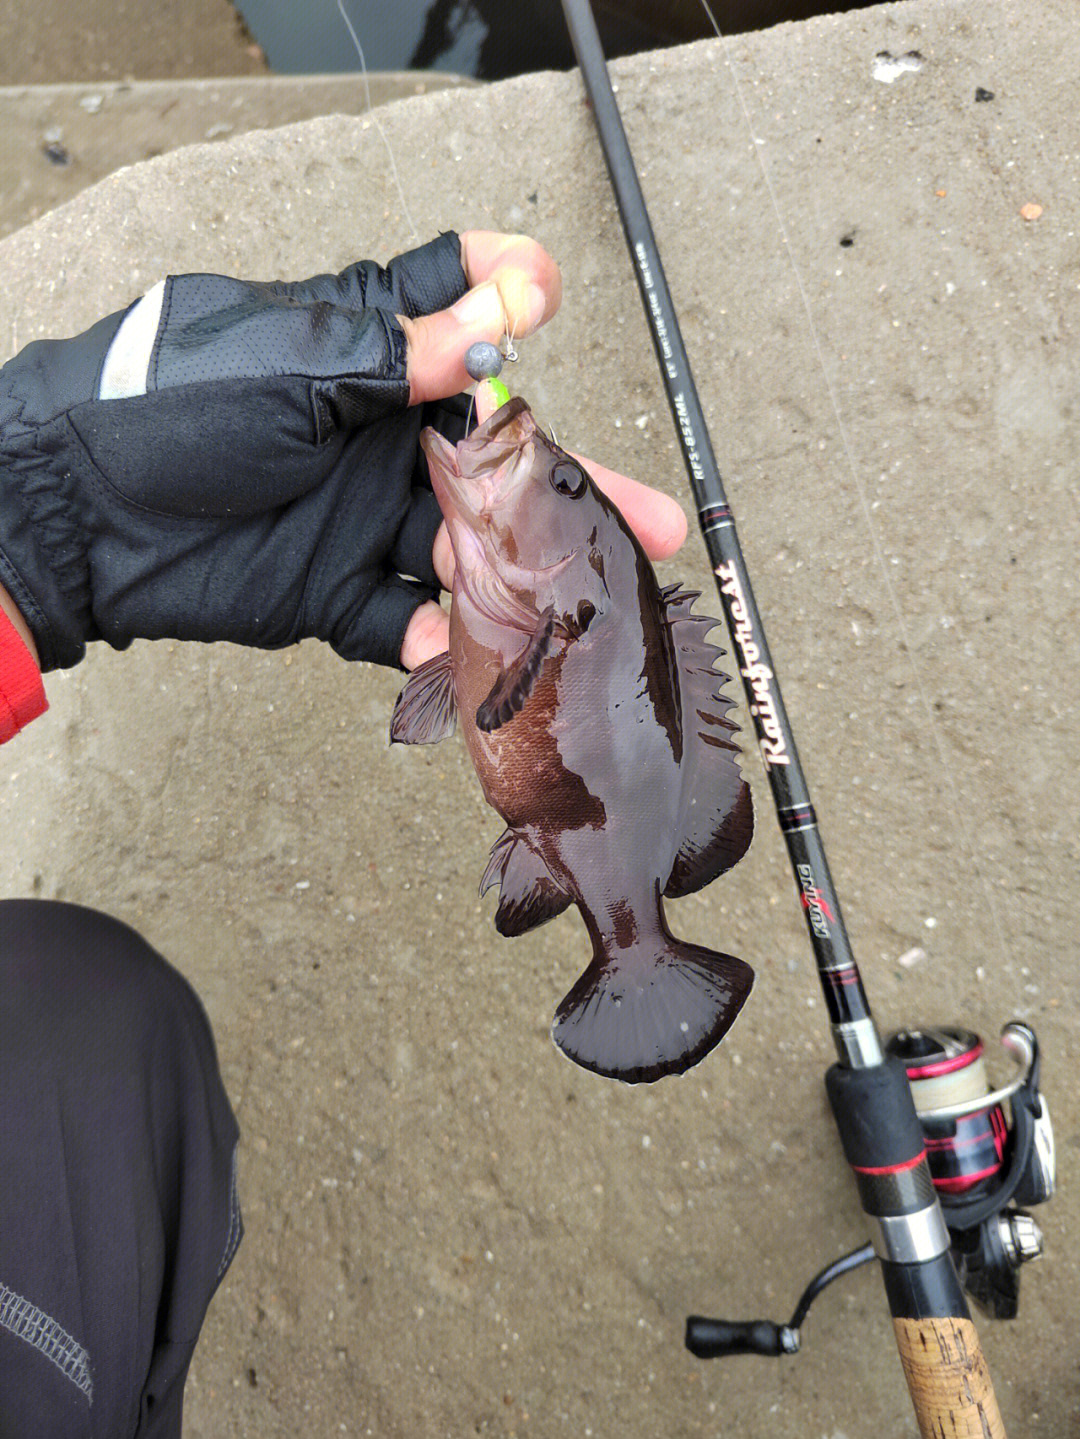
<point>652,1010</point>
<point>426,710</point>
<point>528,895</point>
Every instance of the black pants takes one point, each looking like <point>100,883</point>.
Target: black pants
<point>118,1208</point>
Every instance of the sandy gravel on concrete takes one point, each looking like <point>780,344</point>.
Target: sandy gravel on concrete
<point>51,41</point>
<point>451,1231</point>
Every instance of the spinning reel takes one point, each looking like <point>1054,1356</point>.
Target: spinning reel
<point>982,1169</point>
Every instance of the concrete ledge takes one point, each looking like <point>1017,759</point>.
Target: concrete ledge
<point>450,1230</point>
<point>59,139</point>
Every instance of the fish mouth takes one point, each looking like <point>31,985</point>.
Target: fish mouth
<point>503,418</point>
<point>485,468</point>
<point>471,480</point>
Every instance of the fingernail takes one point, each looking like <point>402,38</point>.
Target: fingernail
<point>525,303</point>
<point>481,309</point>
<point>537,303</point>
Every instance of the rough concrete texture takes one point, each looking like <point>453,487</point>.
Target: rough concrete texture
<point>450,1230</point>
<point>58,139</point>
<point>44,42</point>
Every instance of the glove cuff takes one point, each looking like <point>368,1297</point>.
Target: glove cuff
<point>44,562</point>
<point>43,546</point>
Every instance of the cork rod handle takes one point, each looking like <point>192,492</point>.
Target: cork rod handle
<point>948,1379</point>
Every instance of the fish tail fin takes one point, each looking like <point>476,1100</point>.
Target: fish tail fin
<point>654,1009</point>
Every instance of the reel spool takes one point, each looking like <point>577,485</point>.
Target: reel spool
<point>980,1164</point>
<point>965,1146</point>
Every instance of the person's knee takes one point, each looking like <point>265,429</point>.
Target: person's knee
<point>53,938</point>
<point>67,971</point>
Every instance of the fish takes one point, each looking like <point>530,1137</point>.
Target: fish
<point>589,704</point>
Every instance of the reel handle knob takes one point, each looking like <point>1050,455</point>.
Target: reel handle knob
<point>713,1338</point>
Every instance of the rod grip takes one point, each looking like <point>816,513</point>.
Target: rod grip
<point>948,1379</point>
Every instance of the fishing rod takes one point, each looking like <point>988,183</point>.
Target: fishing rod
<point>930,1222</point>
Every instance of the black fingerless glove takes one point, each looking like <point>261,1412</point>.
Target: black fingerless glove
<point>267,486</point>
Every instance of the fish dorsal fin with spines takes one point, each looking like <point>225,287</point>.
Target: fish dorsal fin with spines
<point>717,811</point>
<point>426,709</point>
<point>528,896</point>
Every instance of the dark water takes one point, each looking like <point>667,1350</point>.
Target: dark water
<point>490,39</point>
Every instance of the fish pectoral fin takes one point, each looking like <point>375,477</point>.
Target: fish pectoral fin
<point>717,819</point>
<point>426,709</point>
<point>528,896</point>
<point>514,685</point>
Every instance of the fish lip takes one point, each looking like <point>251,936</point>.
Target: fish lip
<point>462,475</point>
<point>496,423</point>
<point>496,448</point>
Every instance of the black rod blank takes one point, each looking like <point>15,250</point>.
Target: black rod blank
<point>849,1009</point>
<point>921,1282</point>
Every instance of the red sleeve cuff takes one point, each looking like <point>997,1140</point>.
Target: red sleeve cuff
<point>22,695</point>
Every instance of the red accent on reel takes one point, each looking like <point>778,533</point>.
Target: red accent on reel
<point>964,1153</point>
<point>948,1065</point>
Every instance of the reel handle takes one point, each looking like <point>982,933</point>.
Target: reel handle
<point>714,1338</point>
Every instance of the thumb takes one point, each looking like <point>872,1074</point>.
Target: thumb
<point>437,343</point>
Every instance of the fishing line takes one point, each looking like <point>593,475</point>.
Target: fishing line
<point>878,551</point>
<point>510,353</point>
<point>376,121</point>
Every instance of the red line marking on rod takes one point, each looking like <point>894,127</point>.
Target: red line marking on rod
<point>891,1168</point>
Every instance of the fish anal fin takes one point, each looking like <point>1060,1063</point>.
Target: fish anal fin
<point>426,710</point>
<point>528,895</point>
<point>717,811</point>
<point>514,685</point>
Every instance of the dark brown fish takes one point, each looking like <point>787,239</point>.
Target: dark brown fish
<point>587,698</point>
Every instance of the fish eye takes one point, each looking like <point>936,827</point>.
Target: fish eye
<point>569,479</point>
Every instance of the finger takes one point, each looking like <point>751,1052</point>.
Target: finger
<point>516,287</point>
<point>414,283</point>
<point>427,635</point>
<point>528,278</point>
<point>656,519</point>
<point>443,557</point>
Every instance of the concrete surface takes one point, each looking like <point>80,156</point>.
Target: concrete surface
<point>58,139</point>
<point>45,42</point>
<point>450,1230</point>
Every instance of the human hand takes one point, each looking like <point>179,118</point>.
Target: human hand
<point>656,519</point>
<point>239,461</point>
